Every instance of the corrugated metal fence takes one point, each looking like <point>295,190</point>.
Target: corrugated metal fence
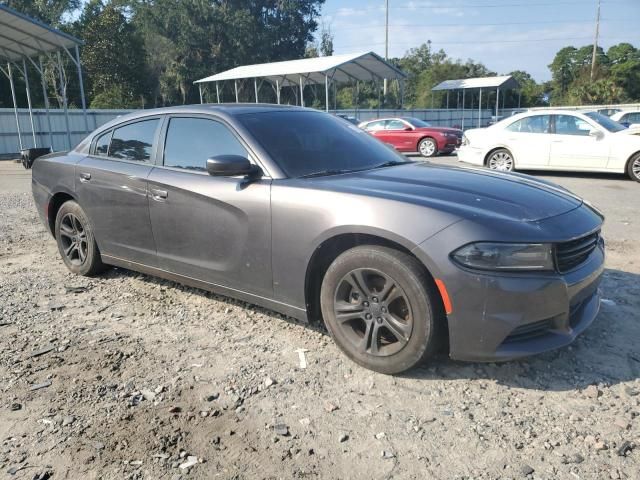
<point>9,135</point>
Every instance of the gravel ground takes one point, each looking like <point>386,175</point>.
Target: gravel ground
<point>128,376</point>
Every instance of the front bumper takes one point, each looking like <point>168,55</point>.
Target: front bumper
<point>474,156</point>
<point>508,317</point>
<point>504,316</point>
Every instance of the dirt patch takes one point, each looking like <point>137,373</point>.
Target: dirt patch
<point>128,376</point>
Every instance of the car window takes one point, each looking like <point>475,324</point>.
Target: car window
<point>632,117</point>
<point>395,125</point>
<point>306,142</point>
<point>134,141</point>
<point>532,124</point>
<point>102,144</point>
<point>571,125</point>
<point>374,126</point>
<point>191,141</point>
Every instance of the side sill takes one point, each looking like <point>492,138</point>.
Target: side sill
<point>289,310</point>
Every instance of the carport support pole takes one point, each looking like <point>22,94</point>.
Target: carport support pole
<point>278,91</point>
<point>519,95</point>
<point>301,93</point>
<point>15,105</point>
<point>46,102</point>
<point>447,99</point>
<point>326,93</point>
<point>463,92</point>
<point>235,84</point>
<point>497,102</point>
<point>200,92</point>
<point>255,88</point>
<point>82,99</point>
<point>26,86</point>
<point>217,92</point>
<point>63,91</point>
<point>480,109</point>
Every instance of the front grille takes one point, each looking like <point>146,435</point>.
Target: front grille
<point>529,331</point>
<point>571,254</point>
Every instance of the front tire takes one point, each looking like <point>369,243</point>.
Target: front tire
<point>428,147</point>
<point>76,241</point>
<point>381,309</point>
<point>633,167</point>
<point>501,160</point>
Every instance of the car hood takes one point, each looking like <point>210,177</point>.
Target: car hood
<point>466,192</point>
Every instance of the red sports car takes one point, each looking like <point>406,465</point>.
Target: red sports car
<point>409,134</point>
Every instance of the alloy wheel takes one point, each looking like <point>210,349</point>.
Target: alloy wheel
<point>373,312</point>
<point>427,148</point>
<point>74,239</point>
<point>501,161</point>
<point>635,168</point>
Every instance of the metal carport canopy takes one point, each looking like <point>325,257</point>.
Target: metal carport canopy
<point>23,39</point>
<point>505,81</point>
<point>363,66</point>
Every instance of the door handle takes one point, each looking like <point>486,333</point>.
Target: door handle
<point>159,194</point>
<point>85,177</point>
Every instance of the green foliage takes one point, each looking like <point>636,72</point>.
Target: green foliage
<point>47,11</point>
<point>113,55</point>
<point>115,97</point>
<point>616,75</point>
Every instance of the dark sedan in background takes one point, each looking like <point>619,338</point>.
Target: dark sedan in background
<point>408,134</point>
<point>301,212</point>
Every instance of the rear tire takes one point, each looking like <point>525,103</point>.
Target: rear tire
<point>381,309</point>
<point>428,147</point>
<point>633,167</point>
<point>76,241</point>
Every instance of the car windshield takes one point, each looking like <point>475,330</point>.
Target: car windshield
<point>605,122</point>
<point>416,122</point>
<point>307,143</point>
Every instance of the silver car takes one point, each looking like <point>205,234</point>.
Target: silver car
<point>301,212</point>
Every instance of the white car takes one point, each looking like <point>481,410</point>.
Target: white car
<point>627,117</point>
<point>554,140</point>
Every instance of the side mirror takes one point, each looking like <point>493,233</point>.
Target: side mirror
<point>231,166</point>
<point>407,129</point>
<point>594,132</point>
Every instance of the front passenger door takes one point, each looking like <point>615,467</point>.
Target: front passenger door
<point>573,148</point>
<point>214,229</point>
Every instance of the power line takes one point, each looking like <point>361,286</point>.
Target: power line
<point>435,25</point>
<point>460,5</point>
<point>533,40</point>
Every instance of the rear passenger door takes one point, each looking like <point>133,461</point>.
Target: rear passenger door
<point>111,185</point>
<point>215,229</point>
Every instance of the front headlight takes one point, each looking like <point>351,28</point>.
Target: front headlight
<point>465,140</point>
<point>505,256</point>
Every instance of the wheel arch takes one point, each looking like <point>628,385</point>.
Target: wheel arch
<point>56,201</point>
<point>330,249</point>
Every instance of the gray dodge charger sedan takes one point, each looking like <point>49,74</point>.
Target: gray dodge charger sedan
<point>301,212</point>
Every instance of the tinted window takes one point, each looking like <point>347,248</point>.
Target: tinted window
<point>102,144</point>
<point>571,125</point>
<point>395,125</point>
<point>533,124</point>
<point>632,118</point>
<point>373,126</point>
<point>416,122</point>
<point>191,141</point>
<point>134,141</point>
<point>307,142</point>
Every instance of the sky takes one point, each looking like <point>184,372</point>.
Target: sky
<point>505,35</point>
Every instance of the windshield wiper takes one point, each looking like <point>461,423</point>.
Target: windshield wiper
<point>392,163</point>
<point>326,172</point>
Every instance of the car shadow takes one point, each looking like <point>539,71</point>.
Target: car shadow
<point>606,353</point>
<point>586,175</point>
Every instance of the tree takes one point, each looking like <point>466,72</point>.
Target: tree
<point>51,12</point>
<point>113,55</point>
